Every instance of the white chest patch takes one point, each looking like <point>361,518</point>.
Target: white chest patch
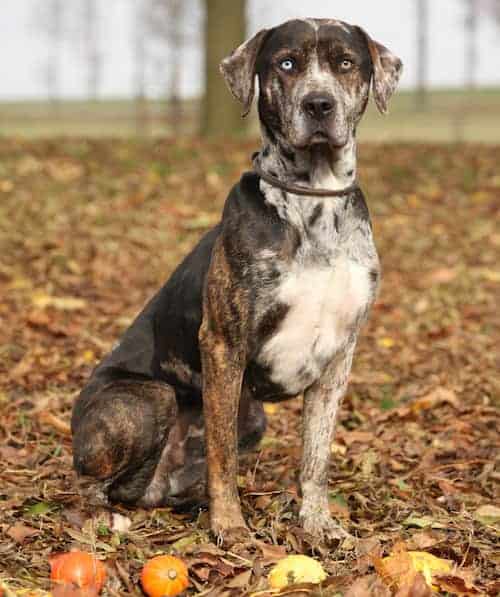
<point>325,303</point>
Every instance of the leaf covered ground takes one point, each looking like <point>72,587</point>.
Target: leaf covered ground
<point>90,229</point>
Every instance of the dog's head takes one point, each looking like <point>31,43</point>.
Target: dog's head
<point>314,79</point>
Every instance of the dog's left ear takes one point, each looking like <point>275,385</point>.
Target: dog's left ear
<point>387,69</point>
<point>238,70</point>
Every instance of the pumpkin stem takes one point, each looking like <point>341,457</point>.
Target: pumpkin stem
<point>172,574</point>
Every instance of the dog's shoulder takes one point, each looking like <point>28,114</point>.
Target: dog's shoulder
<point>246,200</point>
<point>249,224</point>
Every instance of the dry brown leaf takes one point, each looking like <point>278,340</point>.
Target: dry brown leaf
<point>239,581</point>
<point>442,275</point>
<point>434,397</point>
<point>19,532</point>
<point>423,540</point>
<point>351,437</point>
<point>270,553</point>
<point>368,586</point>
<point>55,422</point>
<point>417,588</point>
<point>456,584</point>
<point>401,567</point>
<point>488,514</point>
<point>61,303</point>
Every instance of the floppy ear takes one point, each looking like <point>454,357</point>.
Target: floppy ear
<point>238,70</point>
<point>387,69</point>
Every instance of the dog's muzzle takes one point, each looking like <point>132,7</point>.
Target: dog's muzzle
<point>318,106</point>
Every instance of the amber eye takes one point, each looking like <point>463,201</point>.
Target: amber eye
<point>346,65</point>
<point>287,64</point>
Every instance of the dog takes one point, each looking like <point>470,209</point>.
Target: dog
<point>266,307</point>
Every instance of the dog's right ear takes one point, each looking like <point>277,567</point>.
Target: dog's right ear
<point>238,70</point>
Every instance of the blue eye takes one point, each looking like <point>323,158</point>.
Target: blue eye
<point>287,64</point>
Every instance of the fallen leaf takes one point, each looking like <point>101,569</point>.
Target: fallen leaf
<point>6,186</point>
<point>120,523</point>
<point>61,303</point>
<point>491,275</point>
<point>456,584</point>
<point>270,553</point>
<point>368,586</point>
<point>39,509</point>
<point>239,581</point>
<point>417,588</point>
<point>423,539</point>
<point>433,398</point>
<point>422,522</point>
<point>181,544</point>
<point>55,422</point>
<point>200,222</point>
<point>386,342</point>
<point>401,567</point>
<point>488,514</point>
<point>442,275</point>
<point>19,532</point>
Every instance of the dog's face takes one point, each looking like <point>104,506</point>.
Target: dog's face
<point>314,79</point>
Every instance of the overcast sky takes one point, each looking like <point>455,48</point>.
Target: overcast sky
<point>23,55</point>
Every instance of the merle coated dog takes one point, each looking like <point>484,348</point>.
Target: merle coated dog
<point>267,306</point>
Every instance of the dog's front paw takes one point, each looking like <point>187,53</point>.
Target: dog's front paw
<point>318,523</point>
<point>228,525</point>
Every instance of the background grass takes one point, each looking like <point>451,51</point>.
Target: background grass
<point>450,116</point>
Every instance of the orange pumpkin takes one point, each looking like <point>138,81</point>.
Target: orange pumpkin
<point>164,576</point>
<point>78,568</point>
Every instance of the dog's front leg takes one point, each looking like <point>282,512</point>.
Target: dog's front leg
<point>222,378</point>
<point>321,404</point>
<point>222,346</point>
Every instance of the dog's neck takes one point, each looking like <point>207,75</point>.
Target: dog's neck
<point>319,167</point>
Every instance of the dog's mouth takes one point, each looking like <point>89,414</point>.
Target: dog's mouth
<point>319,137</point>
<point>322,137</point>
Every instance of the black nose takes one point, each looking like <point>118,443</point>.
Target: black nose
<point>318,105</point>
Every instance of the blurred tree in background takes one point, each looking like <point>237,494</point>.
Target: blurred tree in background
<point>169,24</point>
<point>49,20</point>
<point>225,29</point>
<point>422,22</point>
<point>92,50</point>
<point>492,7</point>
<point>471,53</point>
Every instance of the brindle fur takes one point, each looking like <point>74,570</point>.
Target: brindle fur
<point>267,306</point>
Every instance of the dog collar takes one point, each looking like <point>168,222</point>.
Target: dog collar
<point>299,189</point>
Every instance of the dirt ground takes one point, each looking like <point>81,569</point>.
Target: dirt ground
<point>90,229</point>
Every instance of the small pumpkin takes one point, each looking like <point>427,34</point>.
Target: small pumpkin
<point>164,576</point>
<point>78,568</point>
<point>296,569</point>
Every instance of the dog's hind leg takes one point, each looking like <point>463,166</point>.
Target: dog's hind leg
<point>119,433</point>
<point>252,420</point>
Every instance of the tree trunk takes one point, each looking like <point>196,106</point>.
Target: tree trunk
<point>422,44</point>
<point>140,59</point>
<point>224,31</point>
<point>471,55</point>
<point>53,66</point>
<point>92,48</point>
<point>176,41</point>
